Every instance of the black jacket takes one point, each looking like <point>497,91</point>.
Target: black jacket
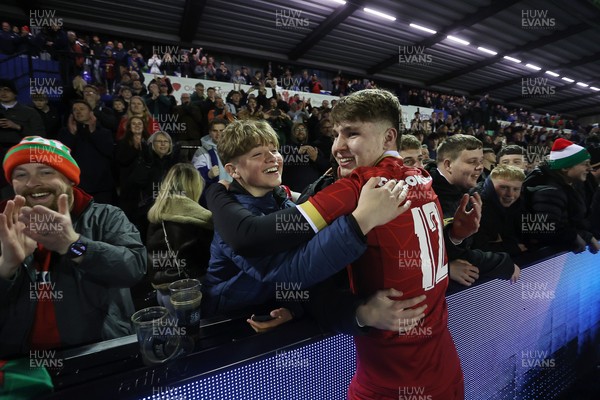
<point>556,212</point>
<point>300,170</point>
<point>51,121</point>
<point>189,117</point>
<point>189,231</point>
<point>497,222</point>
<point>493,265</point>
<point>107,118</point>
<point>30,121</point>
<point>94,153</point>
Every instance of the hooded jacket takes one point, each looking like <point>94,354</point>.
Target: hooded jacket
<point>205,158</point>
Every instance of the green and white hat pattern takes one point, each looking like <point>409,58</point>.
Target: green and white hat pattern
<point>566,154</point>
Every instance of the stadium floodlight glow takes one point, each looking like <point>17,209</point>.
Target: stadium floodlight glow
<point>379,14</point>
<point>457,40</point>
<point>582,84</point>
<point>554,74</point>
<point>564,78</point>
<point>512,59</point>
<point>492,52</point>
<point>342,2</point>
<point>531,66</point>
<point>594,88</point>
<point>422,28</point>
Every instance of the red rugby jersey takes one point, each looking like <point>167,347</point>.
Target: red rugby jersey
<point>407,254</point>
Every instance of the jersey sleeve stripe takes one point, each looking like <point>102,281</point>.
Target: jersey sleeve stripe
<point>312,215</point>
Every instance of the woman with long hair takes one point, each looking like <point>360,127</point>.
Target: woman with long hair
<point>137,108</point>
<point>133,172</point>
<point>180,230</point>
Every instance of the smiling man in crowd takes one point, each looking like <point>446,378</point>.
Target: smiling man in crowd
<point>67,263</point>
<point>459,166</point>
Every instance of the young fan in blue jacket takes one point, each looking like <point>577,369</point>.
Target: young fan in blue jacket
<point>249,152</point>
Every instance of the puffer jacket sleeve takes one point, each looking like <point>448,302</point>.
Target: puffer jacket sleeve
<point>328,252</point>
<point>547,220</point>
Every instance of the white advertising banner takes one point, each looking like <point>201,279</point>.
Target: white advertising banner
<point>186,85</point>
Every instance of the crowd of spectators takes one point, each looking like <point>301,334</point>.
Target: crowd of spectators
<point>126,134</point>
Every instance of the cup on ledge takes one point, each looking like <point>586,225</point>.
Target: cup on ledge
<point>185,298</point>
<point>157,335</point>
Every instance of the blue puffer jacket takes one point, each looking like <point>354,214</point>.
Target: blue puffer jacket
<point>233,282</point>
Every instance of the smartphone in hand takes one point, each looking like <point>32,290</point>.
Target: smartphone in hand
<point>261,318</point>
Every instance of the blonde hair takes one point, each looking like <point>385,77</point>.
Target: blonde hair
<point>166,136</point>
<point>146,113</point>
<point>409,142</point>
<point>182,180</point>
<point>242,136</point>
<point>508,172</point>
